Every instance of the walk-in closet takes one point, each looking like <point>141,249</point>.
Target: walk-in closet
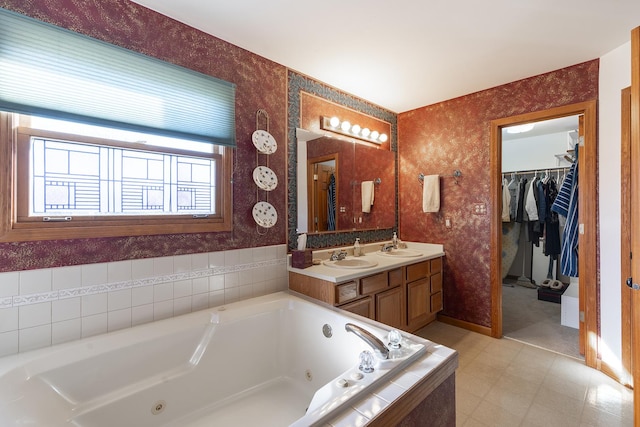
<point>539,256</point>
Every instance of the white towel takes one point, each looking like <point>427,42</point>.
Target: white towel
<point>431,193</point>
<point>367,196</point>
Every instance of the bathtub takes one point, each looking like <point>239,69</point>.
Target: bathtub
<point>276,360</point>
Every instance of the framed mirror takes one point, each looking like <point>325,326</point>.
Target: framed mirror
<point>311,152</point>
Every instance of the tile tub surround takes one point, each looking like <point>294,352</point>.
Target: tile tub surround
<point>44,307</point>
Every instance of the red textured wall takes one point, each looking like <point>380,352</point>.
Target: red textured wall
<point>261,84</point>
<point>455,134</point>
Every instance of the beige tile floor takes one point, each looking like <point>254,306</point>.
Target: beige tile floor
<point>508,383</point>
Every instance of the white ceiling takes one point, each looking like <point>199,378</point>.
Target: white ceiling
<point>406,54</point>
<point>546,127</point>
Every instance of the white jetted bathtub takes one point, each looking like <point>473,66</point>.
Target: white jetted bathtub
<point>265,362</point>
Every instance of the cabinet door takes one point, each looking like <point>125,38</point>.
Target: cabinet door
<point>389,307</point>
<point>363,307</point>
<point>418,303</point>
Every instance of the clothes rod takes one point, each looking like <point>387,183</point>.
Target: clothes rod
<point>536,171</point>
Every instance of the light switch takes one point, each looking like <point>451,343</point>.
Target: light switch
<point>447,222</point>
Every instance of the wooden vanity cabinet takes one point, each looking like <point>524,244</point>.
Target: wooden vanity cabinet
<point>406,297</point>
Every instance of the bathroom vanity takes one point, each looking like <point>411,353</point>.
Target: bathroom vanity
<point>401,288</point>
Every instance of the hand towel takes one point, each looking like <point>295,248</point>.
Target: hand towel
<point>367,195</point>
<point>431,193</point>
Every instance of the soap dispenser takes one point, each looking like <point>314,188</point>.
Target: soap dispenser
<point>357,251</point>
<point>394,241</point>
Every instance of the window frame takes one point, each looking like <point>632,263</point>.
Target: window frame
<point>16,225</point>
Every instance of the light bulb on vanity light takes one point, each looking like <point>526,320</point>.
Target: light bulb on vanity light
<point>334,122</point>
<point>383,137</point>
<point>365,132</point>
<point>355,129</point>
<point>345,126</point>
<point>374,135</point>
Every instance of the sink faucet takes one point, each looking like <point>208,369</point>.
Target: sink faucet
<point>378,346</point>
<point>387,247</point>
<point>342,254</point>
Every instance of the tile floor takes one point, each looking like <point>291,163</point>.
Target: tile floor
<point>508,383</point>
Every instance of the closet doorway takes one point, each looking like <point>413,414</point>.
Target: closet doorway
<point>586,218</point>
<point>539,302</point>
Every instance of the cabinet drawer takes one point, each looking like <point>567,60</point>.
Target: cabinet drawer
<point>346,292</point>
<point>363,307</point>
<point>436,265</point>
<point>436,283</point>
<point>417,271</point>
<point>374,283</point>
<point>395,277</point>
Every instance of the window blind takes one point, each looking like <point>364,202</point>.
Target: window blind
<point>53,72</point>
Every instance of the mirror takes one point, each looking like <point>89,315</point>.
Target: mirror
<point>308,102</point>
<point>333,170</point>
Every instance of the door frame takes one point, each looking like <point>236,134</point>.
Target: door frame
<point>312,195</point>
<point>587,216</point>
<point>626,309</point>
<point>634,128</point>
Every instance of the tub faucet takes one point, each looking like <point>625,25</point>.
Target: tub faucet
<point>378,346</point>
<point>335,256</point>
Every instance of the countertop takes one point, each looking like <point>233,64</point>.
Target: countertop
<point>372,252</point>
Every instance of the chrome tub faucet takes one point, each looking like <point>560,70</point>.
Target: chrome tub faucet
<point>378,346</point>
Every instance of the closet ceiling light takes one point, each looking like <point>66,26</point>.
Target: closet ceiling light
<point>520,128</point>
<point>334,124</point>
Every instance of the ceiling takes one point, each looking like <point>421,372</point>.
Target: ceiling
<point>406,54</point>
<point>545,127</point>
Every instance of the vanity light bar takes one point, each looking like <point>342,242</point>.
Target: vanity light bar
<point>344,127</point>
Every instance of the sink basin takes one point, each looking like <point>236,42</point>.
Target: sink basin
<point>401,253</point>
<point>351,263</point>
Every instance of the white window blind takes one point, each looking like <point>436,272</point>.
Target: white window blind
<point>53,72</point>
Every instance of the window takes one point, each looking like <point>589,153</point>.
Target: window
<point>76,180</point>
<point>166,168</point>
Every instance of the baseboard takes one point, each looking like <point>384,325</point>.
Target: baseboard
<point>473,327</point>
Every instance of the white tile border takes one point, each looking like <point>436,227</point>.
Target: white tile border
<point>37,298</point>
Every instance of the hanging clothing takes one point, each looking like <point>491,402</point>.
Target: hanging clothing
<point>331,203</point>
<point>520,203</point>
<point>506,201</point>
<point>531,205</point>
<point>566,204</point>
<point>513,192</point>
<point>542,202</point>
<point>552,245</point>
